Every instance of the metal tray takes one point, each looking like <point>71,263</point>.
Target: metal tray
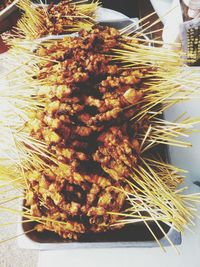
<point>135,235</point>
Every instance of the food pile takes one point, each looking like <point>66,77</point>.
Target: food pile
<point>85,124</point>
<point>5,3</point>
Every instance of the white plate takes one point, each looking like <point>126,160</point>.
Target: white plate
<point>103,14</point>
<point>107,14</point>
<point>8,10</point>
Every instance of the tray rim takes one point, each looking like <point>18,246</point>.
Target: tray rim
<point>25,242</point>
